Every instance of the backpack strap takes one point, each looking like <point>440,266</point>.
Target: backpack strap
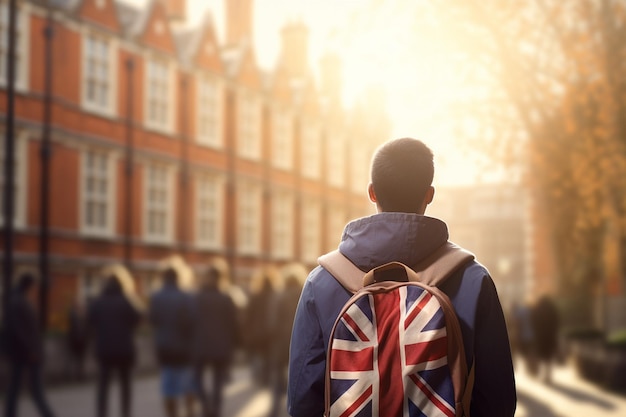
<point>432,270</point>
<point>442,263</point>
<point>344,271</point>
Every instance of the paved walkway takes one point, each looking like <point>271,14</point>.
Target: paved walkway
<point>567,396</point>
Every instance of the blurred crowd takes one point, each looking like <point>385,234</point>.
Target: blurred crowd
<point>199,323</point>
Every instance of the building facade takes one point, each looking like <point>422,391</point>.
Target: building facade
<point>165,141</point>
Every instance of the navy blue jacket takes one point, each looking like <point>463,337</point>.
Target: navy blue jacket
<point>171,316</point>
<point>408,238</point>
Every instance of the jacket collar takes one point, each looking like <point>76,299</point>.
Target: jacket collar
<point>385,237</point>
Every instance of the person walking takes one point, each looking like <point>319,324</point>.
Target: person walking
<point>24,348</point>
<point>287,304</point>
<point>113,317</point>
<point>261,318</point>
<point>214,340</point>
<point>545,323</point>
<point>171,318</point>
<point>401,188</point>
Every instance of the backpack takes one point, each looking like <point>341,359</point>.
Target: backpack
<point>396,348</point>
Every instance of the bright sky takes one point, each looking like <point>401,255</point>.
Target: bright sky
<point>421,84</point>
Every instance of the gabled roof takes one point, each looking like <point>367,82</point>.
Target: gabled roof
<point>240,65</point>
<point>190,43</point>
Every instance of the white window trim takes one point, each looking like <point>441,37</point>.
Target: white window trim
<point>219,85</point>
<point>249,152</point>
<point>278,148</point>
<point>166,126</point>
<point>168,237</point>
<point>20,178</point>
<point>277,217</point>
<point>253,191</point>
<point>85,229</point>
<point>22,74</point>
<point>219,215</point>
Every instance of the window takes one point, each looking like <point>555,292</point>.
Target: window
<point>249,126</point>
<point>282,226</point>
<point>209,203</point>
<point>97,196</point>
<point>311,151</point>
<point>158,203</point>
<point>98,72</point>
<point>19,179</point>
<point>359,169</point>
<point>311,230</point>
<point>209,111</point>
<point>249,219</point>
<point>158,95</point>
<point>282,135</point>
<point>336,223</point>
<point>335,161</point>
<point>21,49</point>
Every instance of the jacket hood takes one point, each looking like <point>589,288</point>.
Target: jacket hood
<point>385,237</point>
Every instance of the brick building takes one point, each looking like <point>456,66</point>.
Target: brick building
<point>167,142</point>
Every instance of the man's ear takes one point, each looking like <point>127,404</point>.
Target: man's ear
<point>371,193</point>
<point>430,195</point>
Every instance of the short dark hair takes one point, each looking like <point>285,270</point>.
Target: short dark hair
<point>170,275</point>
<point>402,171</point>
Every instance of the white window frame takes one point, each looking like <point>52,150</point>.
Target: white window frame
<point>283,223</point>
<point>249,131</point>
<point>168,235</point>
<point>164,124</point>
<point>335,160</point>
<point>282,138</point>
<point>217,216</point>
<point>109,199</point>
<point>22,50</point>
<point>214,111</point>
<point>311,153</point>
<point>20,177</point>
<point>311,239</point>
<point>110,107</point>
<point>249,214</point>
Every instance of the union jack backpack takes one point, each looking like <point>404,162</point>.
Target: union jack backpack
<point>396,347</point>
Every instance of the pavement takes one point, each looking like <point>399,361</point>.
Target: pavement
<point>567,395</point>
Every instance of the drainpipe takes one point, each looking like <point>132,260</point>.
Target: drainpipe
<point>46,151</point>
<point>184,171</point>
<point>9,168</point>
<point>130,160</point>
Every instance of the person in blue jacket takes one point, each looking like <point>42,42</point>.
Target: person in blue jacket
<point>402,171</point>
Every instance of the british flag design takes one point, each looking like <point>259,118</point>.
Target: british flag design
<point>389,357</point>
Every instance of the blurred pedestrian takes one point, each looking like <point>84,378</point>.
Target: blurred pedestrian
<point>24,349</point>
<point>288,302</point>
<point>545,323</point>
<point>525,337</point>
<point>114,317</point>
<point>77,338</point>
<point>215,338</point>
<point>261,321</point>
<point>171,318</point>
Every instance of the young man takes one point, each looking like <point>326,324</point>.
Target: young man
<point>402,172</point>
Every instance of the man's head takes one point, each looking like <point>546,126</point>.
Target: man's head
<point>402,174</point>
<point>170,276</point>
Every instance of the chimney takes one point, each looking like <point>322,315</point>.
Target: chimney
<point>238,22</point>
<point>330,76</point>
<point>176,9</point>
<point>294,53</point>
